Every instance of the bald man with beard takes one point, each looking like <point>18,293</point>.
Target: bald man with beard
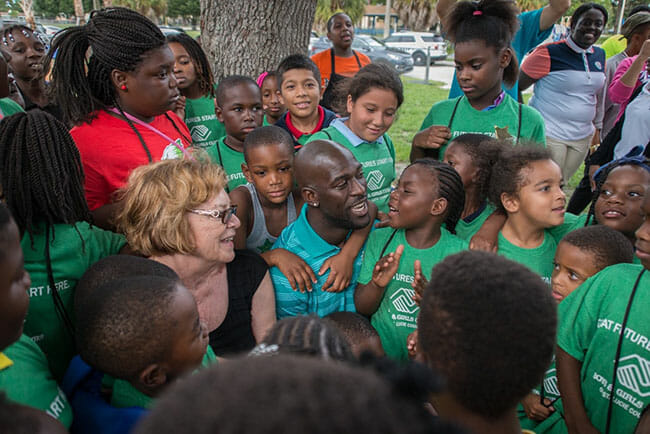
<point>332,185</point>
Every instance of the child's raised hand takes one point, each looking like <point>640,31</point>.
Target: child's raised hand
<point>180,107</point>
<point>341,268</point>
<point>412,344</point>
<point>387,267</point>
<point>534,408</point>
<point>419,282</point>
<point>433,137</point>
<point>300,275</point>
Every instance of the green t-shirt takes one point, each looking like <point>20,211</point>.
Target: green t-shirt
<point>589,329</point>
<point>230,160</point>
<point>9,107</point>
<point>538,259</point>
<point>125,395</point>
<point>466,230</point>
<point>73,249</point>
<point>397,314</point>
<point>469,120</point>
<point>571,223</point>
<point>377,159</point>
<point>26,379</point>
<point>202,122</point>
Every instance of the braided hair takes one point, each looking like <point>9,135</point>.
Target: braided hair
<point>494,22</point>
<point>306,335</point>
<point>42,180</point>
<point>450,187</point>
<point>113,38</point>
<point>199,60</point>
<point>601,176</point>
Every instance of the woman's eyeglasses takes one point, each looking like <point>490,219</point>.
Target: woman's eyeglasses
<point>218,214</point>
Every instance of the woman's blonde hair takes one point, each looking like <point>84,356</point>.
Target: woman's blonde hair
<point>156,200</point>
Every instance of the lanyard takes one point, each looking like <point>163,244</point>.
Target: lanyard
<point>152,129</point>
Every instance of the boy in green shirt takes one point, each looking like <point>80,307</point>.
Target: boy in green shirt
<point>24,373</point>
<point>239,107</point>
<point>143,331</point>
<point>603,346</point>
<point>487,325</point>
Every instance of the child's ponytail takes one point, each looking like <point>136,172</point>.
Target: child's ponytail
<point>493,21</point>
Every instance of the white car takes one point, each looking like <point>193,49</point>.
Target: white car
<point>417,43</point>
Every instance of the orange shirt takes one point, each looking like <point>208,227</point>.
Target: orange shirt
<point>346,66</point>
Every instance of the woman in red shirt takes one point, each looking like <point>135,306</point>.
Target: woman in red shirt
<point>113,79</point>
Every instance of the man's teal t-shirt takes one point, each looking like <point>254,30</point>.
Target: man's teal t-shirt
<point>397,314</point>
<point>376,158</point>
<point>527,37</point>
<point>505,117</point>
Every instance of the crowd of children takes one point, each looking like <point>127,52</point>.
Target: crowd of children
<point>281,254</point>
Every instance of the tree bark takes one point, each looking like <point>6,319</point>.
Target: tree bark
<point>79,12</point>
<point>248,37</point>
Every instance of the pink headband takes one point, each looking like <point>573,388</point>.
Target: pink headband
<point>260,79</point>
<point>477,13</point>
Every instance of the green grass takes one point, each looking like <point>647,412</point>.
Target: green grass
<point>418,99</point>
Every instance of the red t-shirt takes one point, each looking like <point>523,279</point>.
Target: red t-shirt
<point>110,150</point>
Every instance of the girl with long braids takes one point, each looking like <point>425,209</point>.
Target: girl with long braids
<point>42,184</point>
<point>113,79</point>
<point>398,260</point>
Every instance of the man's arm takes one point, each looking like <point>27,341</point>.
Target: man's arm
<point>552,12</point>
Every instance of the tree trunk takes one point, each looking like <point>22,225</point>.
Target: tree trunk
<point>28,10</point>
<point>250,36</point>
<point>79,12</point>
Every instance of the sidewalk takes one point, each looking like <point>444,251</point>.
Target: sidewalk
<point>442,71</point>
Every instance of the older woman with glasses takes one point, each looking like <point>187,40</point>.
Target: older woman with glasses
<point>177,212</point>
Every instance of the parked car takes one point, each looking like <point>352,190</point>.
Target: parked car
<point>376,50</point>
<point>372,48</point>
<point>52,30</point>
<point>169,30</point>
<point>417,43</point>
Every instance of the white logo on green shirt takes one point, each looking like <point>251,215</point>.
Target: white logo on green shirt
<point>634,373</point>
<point>402,300</point>
<point>200,133</point>
<point>375,179</point>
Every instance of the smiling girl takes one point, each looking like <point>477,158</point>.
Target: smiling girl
<point>373,97</point>
<point>481,33</point>
<point>118,95</point>
<point>26,52</point>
